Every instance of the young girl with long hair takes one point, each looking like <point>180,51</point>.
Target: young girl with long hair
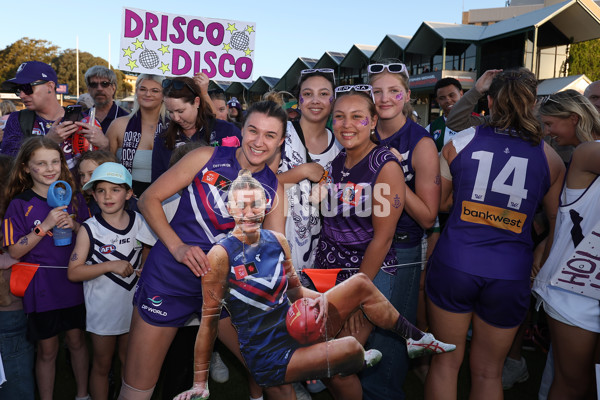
<point>396,129</point>
<point>479,272</point>
<point>52,303</point>
<point>574,319</point>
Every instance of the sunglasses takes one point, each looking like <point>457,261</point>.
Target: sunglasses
<point>357,88</point>
<point>177,85</point>
<point>104,84</point>
<point>27,88</point>
<point>394,68</point>
<point>316,70</point>
<point>546,99</point>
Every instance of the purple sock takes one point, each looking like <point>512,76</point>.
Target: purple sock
<point>407,330</point>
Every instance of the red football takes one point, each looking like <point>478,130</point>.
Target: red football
<point>301,322</point>
<point>80,143</point>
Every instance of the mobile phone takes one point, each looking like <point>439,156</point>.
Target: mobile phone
<point>73,113</point>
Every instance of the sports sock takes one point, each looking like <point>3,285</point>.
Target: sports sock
<point>131,393</point>
<point>407,330</point>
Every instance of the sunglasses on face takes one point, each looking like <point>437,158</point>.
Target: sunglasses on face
<point>104,84</point>
<point>27,88</point>
<point>357,88</point>
<point>177,85</point>
<point>393,68</point>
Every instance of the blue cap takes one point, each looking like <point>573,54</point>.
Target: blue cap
<point>110,172</point>
<point>31,71</point>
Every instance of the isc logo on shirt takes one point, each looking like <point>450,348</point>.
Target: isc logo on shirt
<point>108,248</point>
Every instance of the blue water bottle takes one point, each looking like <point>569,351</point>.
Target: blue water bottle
<point>57,197</point>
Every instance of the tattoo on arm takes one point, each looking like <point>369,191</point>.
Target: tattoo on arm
<point>74,257</point>
<point>24,241</point>
<point>438,180</point>
<point>397,203</point>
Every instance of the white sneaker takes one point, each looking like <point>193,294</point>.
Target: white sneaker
<point>427,345</point>
<point>316,387</point>
<point>514,371</point>
<point>218,370</point>
<point>301,392</point>
<point>372,357</point>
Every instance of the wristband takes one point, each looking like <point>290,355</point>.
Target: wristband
<point>38,230</point>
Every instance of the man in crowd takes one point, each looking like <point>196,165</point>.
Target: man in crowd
<point>102,85</point>
<point>447,92</point>
<point>35,83</point>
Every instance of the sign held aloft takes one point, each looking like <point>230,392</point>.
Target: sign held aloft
<point>179,45</point>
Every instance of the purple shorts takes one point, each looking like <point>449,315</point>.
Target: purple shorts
<point>501,303</point>
<point>159,309</point>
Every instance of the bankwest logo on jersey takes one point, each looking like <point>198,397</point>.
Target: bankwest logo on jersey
<point>216,179</point>
<point>493,216</point>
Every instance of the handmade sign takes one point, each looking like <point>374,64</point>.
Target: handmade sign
<point>581,273</point>
<point>179,45</point>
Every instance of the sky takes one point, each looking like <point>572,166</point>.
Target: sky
<point>285,30</point>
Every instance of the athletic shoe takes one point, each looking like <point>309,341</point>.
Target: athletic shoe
<point>301,392</point>
<point>427,345</point>
<point>514,371</point>
<point>218,370</point>
<point>372,357</point>
<point>316,387</point>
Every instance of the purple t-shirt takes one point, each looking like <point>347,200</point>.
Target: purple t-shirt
<point>405,141</point>
<point>499,181</point>
<point>50,289</point>
<point>13,137</point>
<point>347,211</point>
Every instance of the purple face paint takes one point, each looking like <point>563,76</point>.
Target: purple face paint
<point>400,96</point>
<point>365,121</point>
<point>331,100</point>
<point>301,100</point>
<point>334,121</point>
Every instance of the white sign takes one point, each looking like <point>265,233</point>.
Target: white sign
<point>180,45</point>
<point>581,273</point>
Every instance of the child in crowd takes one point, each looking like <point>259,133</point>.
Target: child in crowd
<point>16,351</point>
<point>88,162</point>
<point>52,303</point>
<point>105,256</point>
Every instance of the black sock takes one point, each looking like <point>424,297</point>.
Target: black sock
<point>407,330</point>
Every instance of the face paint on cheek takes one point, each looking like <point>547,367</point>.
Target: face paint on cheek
<point>334,122</point>
<point>365,121</point>
<point>301,100</point>
<point>400,96</point>
<point>331,100</point>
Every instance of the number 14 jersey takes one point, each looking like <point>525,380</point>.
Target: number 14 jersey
<point>499,181</point>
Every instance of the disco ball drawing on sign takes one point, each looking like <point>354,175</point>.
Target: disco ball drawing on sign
<point>149,59</point>
<point>240,41</point>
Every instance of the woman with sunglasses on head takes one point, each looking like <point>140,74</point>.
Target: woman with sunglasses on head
<point>308,150</point>
<point>169,290</point>
<point>191,119</point>
<point>574,318</point>
<point>479,272</point>
<point>131,138</point>
<point>361,208</point>
<point>396,130</point>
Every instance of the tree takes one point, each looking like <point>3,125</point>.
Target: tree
<point>584,59</point>
<point>22,50</point>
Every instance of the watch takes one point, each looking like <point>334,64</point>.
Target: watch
<point>40,232</point>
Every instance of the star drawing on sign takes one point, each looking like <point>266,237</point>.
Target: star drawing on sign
<point>127,52</point>
<point>164,49</point>
<point>132,64</point>
<point>231,27</point>
<point>226,47</point>
<point>164,67</point>
<point>138,44</point>
<point>248,51</point>
<point>249,29</point>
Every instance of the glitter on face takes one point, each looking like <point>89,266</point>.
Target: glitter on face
<point>365,121</point>
<point>400,96</point>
